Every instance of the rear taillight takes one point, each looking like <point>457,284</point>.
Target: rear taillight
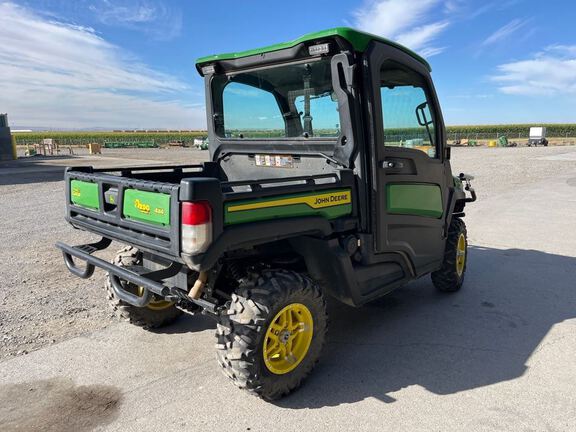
<point>196,226</point>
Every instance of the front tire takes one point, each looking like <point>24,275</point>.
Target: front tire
<point>450,277</point>
<point>158,313</point>
<point>273,333</point>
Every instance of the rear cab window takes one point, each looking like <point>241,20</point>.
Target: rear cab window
<point>286,101</point>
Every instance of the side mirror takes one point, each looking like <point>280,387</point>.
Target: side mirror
<point>421,114</point>
<point>423,120</point>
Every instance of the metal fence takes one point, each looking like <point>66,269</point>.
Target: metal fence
<point>83,142</point>
<point>483,136</point>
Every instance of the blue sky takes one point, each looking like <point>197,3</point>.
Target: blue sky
<point>130,63</point>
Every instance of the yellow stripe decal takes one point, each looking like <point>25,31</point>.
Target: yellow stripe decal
<point>314,201</point>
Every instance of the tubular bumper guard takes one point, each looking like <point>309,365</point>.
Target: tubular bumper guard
<point>148,280</point>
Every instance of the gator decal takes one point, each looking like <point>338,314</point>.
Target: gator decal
<point>149,207</point>
<point>417,199</point>
<point>331,204</point>
<point>84,194</point>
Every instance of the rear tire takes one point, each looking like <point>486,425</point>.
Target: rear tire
<point>157,314</point>
<point>273,333</point>
<point>450,277</point>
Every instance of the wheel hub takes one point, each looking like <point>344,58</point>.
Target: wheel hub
<point>284,336</point>
<point>288,338</point>
<point>155,304</point>
<point>460,254</point>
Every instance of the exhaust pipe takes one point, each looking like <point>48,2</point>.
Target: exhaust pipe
<point>196,290</point>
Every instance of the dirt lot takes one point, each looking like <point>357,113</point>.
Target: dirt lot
<point>499,355</point>
<point>41,303</point>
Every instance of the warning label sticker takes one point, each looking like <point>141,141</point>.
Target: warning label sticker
<point>274,161</point>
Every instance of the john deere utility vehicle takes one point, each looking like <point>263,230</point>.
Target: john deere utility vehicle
<point>328,176</point>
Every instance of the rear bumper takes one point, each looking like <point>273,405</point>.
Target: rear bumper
<point>150,281</point>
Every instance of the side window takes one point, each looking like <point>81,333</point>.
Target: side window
<point>406,112</point>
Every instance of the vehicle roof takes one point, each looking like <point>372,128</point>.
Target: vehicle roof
<point>359,40</point>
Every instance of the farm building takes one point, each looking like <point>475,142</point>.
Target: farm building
<point>7,149</point>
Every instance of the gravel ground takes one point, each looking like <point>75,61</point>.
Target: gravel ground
<point>41,303</point>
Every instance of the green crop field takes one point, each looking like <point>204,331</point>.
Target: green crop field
<point>82,138</point>
<point>159,138</point>
<point>553,130</point>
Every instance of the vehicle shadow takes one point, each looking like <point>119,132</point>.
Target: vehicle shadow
<point>446,343</point>
<point>35,169</point>
<point>188,324</point>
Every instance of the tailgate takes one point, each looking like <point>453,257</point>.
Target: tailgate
<point>138,212</point>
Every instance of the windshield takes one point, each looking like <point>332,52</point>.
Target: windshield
<point>295,100</point>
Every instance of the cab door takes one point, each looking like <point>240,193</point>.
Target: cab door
<point>411,182</point>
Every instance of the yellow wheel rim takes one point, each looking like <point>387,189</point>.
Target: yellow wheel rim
<point>155,304</point>
<point>288,338</point>
<point>461,254</point>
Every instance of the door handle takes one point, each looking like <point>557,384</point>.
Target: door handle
<point>390,164</point>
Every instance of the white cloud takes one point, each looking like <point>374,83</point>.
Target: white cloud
<point>420,36</point>
<point>505,31</point>
<point>408,22</point>
<point>472,96</point>
<point>453,5</point>
<point>563,50</point>
<point>431,51</point>
<point>61,75</point>
<point>552,72</point>
<point>150,16</point>
<point>466,10</point>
